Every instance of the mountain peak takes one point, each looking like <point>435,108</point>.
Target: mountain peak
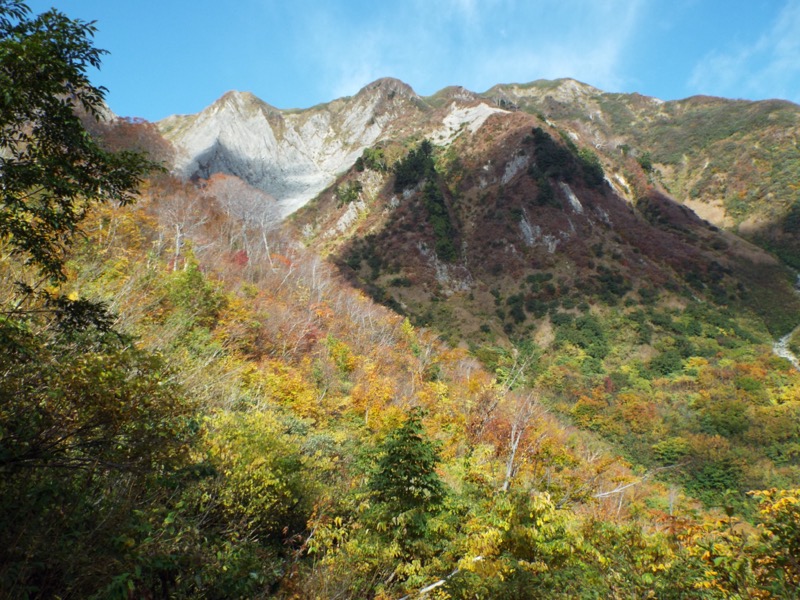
<point>389,86</point>
<point>562,90</point>
<point>242,101</point>
<point>457,93</point>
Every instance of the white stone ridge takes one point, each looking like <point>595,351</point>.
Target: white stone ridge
<point>517,164</point>
<point>471,117</point>
<point>349,217</point>
<point>532,234</point>
<point>527,230</point>
<point>294,155</point>
<point>573,199</point>
<point>620,185</point>
<point>291,156</point>
<point>604,216</point>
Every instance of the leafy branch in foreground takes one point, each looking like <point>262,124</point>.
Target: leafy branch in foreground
<point>51,169</point>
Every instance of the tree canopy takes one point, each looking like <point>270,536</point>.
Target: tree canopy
<point>52,170</point>
<point>83,410</point>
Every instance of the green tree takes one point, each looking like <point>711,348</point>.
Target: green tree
<point>405,478</point>
<point>52,169</point>
<point>439,218</point>
<point>417,165</point>
<point>52,172</point>
<point>91,427</point>
<point>373,159</point>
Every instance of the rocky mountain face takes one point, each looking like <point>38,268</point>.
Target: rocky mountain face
<point>294,155</point>
<point>513,222</point>
<point>538,194</point>
<point>734,163</point>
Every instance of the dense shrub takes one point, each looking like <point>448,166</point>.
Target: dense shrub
<point>443,230</point>
<point>416,166</point>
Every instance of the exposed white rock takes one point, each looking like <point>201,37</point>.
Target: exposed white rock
<point>517,164</point>
<point>550,242</point>
<point>604,216</point>
<point>459,118</point>
<point>527,231</point>
<point>568,91</point>
<point>292,155</point>
<point>532,234</point>
<point>452,278</point>
<point>620,185</point>
<point>573,199</point>
<point>371,183</point>
<point>484,182</point>
<point>781,346</point>
<point>350,216</point>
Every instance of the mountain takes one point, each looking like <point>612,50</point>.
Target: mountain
<point>608,197</point>
<point>532,229</point>
<point>642,321</point>
<point>294,155</point>
<point>205,408</point>
<point>580,398</point>
<point>542,221</point>
<point>732,162</point>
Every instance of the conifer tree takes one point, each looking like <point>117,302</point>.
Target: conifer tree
<point>405,478</point>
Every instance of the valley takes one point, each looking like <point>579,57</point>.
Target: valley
<point>536,342</point>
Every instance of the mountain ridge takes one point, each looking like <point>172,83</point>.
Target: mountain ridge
<point>674,140</point>
<point>656,155</point>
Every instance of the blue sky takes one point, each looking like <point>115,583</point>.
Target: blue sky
<point>178,56</point>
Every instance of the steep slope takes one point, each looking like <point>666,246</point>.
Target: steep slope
<point>644,322</point>
<point>294,155</point>
<point>307,410</point>
<point>291,155</point>
<point>733,162</point>
<point>522,203</point>
<point>551,233</point>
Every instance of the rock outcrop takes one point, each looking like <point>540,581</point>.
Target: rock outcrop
<point>293,155</point>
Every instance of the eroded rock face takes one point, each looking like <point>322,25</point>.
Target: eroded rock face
<point>292,155</point>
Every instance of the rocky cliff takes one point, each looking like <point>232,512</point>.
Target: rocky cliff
<point>294,155</point>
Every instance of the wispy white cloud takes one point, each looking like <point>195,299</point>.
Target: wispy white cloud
<point>473,43</point>
<point>588,42</point>
<point>465,9</point>
<point>768,66</point>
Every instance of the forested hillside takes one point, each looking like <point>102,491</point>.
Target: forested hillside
<point>734,162</point>
<point>193,404</point>
<point>645,324</point>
